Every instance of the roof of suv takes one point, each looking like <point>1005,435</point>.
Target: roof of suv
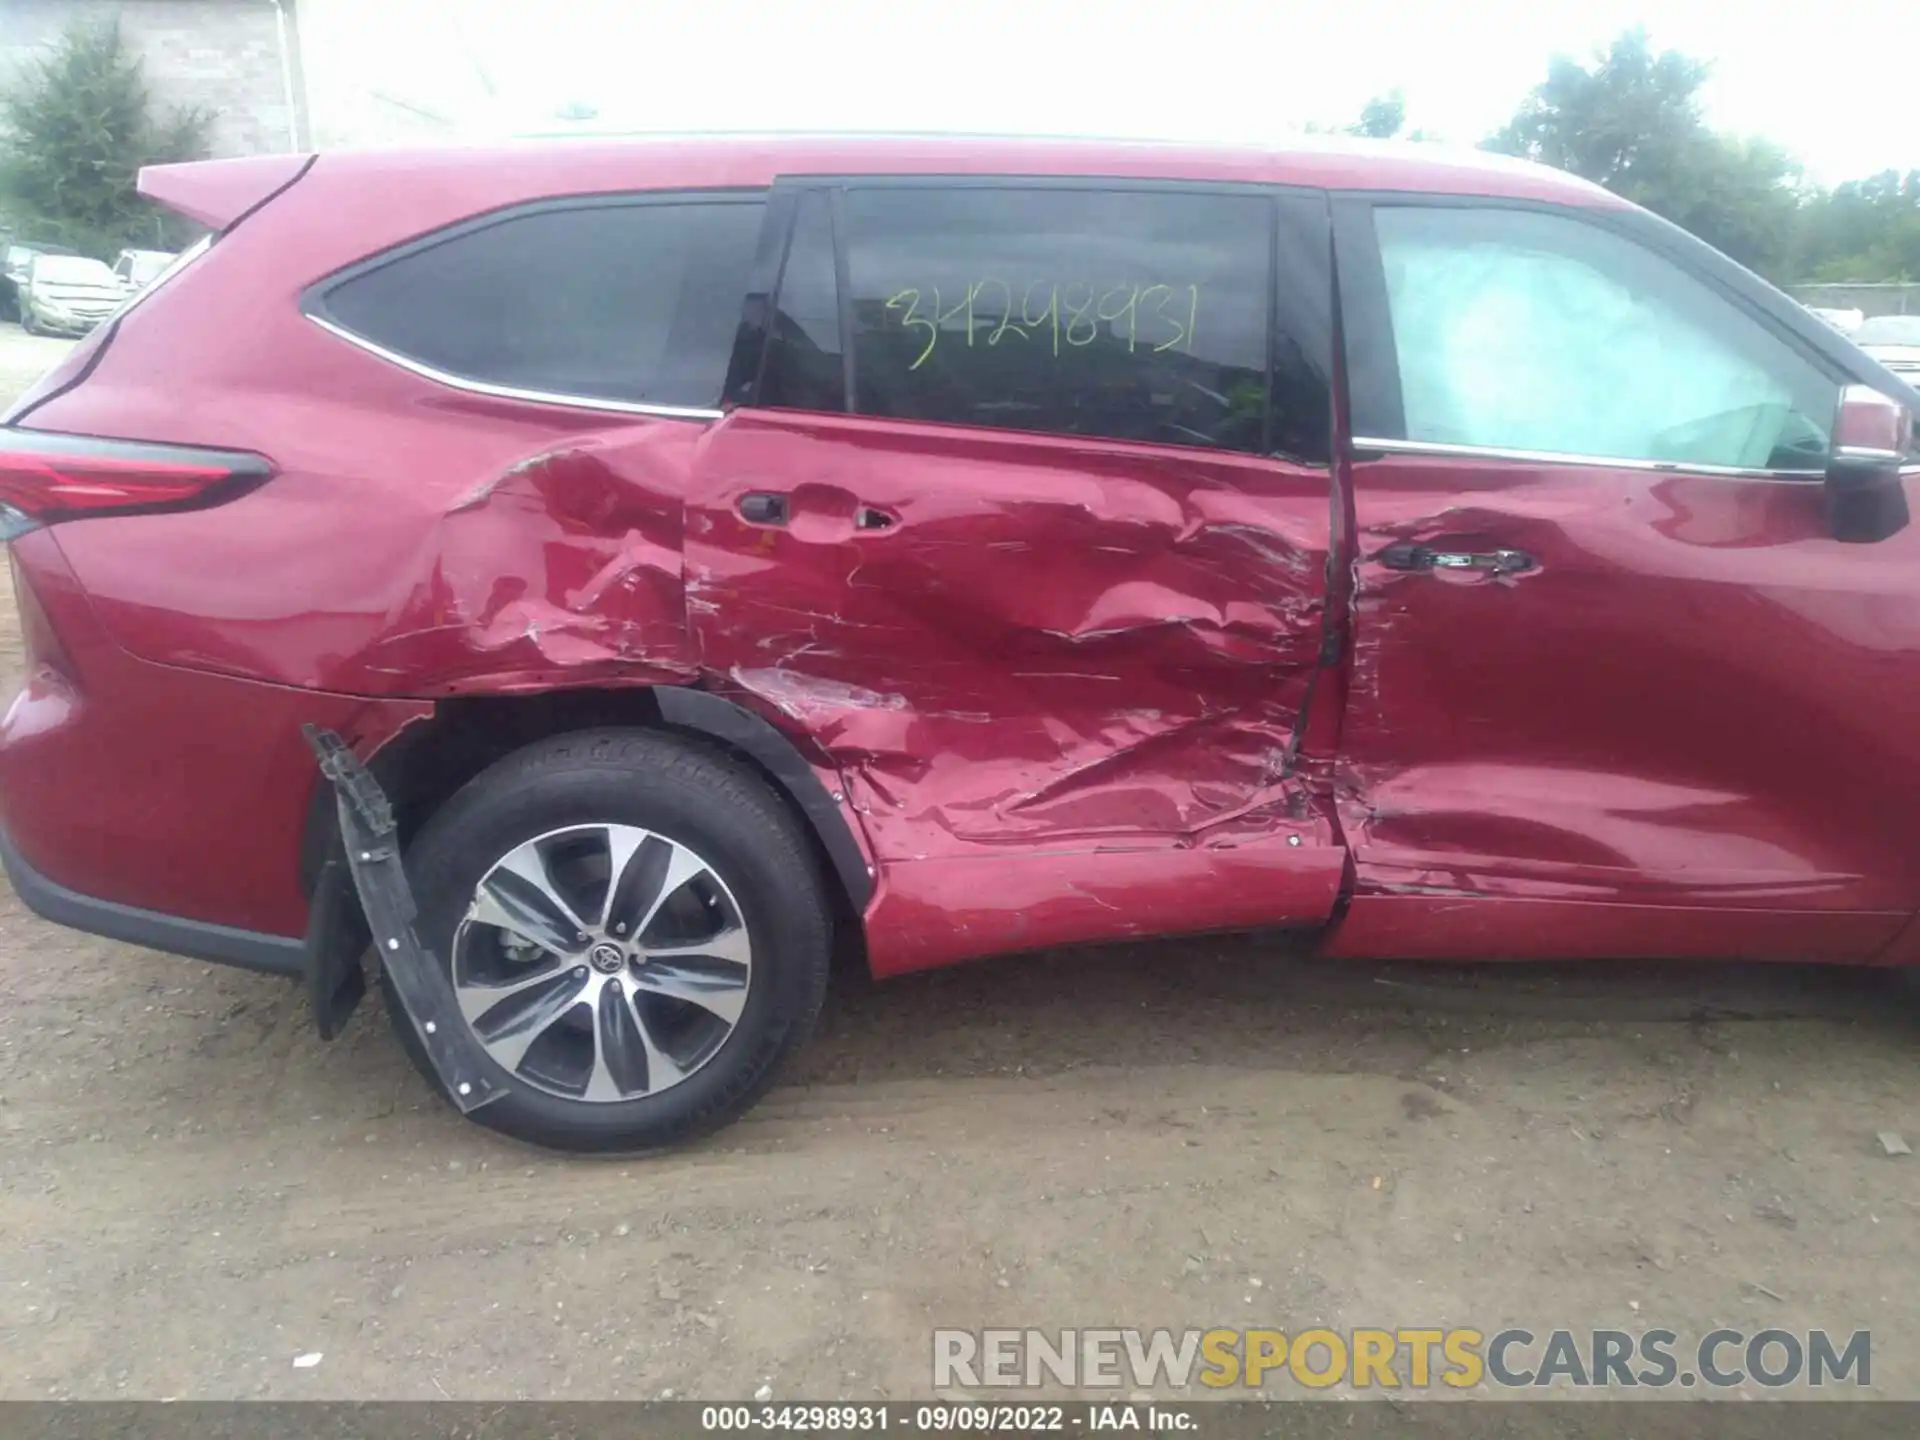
<point>596,162</point>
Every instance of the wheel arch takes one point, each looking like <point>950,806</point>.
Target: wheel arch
<point>424,764</point>
<point>741,731</point>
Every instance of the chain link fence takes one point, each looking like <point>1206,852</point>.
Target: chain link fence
<point>1869,299</point>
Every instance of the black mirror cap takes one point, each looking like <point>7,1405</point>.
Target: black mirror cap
<point>1866,499</point>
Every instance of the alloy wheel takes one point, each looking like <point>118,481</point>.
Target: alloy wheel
<point>602,963</point>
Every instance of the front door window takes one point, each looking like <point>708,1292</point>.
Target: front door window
<point>1524,331</point>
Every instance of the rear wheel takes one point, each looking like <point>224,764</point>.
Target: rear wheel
<point>636,933</point>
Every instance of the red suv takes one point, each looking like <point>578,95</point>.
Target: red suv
<point>719,551</point>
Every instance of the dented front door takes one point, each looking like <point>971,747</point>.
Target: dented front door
<point>1060,673</point>
<point>1615,688</point>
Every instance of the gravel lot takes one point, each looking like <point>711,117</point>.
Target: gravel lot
<point>194,1190</point>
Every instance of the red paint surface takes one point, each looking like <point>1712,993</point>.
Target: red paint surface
<point>1051,641</point>
<point>155,786</point>
<point>1696,699</point>
<point>478,554</point>
<point>1425,927</point>
<point>934,912</point>
<point>218,192</point>
<point>1061,688</point>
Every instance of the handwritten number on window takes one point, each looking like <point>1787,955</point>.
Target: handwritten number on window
<point>1006,310</point>
<point>913,320</point>
<point>1077,316</point>
<point>1159,317</point>
<point>1051,314</point>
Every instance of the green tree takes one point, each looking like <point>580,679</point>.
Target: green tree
<point>78,125</point>
<point>1626,122</point>
<point>1741,196</point>
<point>1382,117</point>
<point>1631,121</point>
<point>1862,230</point>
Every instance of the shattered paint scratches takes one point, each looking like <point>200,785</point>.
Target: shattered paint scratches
<point>1261,543</point>
<point>1092,654</point>
<point>1049,645</point>
<point>481,493</point>
<point>806,698</point>
<point>563,567</point>
<point>1635,732</point>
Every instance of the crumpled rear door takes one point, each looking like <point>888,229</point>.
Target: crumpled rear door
<point>1060,675</point>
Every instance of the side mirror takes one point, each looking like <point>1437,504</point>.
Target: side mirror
<point>1872,438</point>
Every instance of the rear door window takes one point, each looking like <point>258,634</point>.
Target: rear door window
<point>630,300</point>
<point>1139,315</point>
<point>805,365</point>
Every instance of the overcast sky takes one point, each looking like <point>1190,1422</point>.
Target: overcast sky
<point>1838,84</point>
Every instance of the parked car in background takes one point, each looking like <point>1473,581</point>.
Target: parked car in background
<point>1893,340</point>
<point>68,295</point>
<point>13,272</point>
<point>716,550</point>
<point>1845,321</point>
<point>137,269</point>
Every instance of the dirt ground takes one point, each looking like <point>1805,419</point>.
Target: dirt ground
<point>194,1190</point>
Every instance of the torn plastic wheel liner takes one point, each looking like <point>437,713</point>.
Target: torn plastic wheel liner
<point>371,840</point>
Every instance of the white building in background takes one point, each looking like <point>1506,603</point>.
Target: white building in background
<point>284,75</point>
<point>238,58</point>
<point>410,72</point>
<point>395,72</point>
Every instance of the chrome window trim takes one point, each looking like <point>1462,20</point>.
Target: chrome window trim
<point>1552,457</point>
<point>509,392</point>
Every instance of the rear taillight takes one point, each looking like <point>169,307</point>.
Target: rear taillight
<point>45,477</point>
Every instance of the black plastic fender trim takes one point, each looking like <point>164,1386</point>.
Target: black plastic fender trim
<point>371,843</point>
<point>175,934</point>
<point>710,714</point>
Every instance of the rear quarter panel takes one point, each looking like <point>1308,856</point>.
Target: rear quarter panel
<point>416,540</point>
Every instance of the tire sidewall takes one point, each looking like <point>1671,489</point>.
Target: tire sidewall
<point>485,822</point>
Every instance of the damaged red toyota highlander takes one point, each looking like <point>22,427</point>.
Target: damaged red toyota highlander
<point>687,557</point>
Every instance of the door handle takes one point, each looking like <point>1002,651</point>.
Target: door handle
<point>1420,557</point>
<point>761,507</point>
<point>820,514</point>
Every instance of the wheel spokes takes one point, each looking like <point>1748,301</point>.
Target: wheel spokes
<point>717,986</point>
<point>519,896</point>
<point>477,997</point>
<point>509,1027</point>
<point>599,1014</point>
<point>506,911</point>
<point>662,1069</point>
<point>624,843</point>
<point>652,876</point>
<point>730,945</point>
<point>620,1067</point>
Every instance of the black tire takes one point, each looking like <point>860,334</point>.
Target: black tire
<point>699,797</point>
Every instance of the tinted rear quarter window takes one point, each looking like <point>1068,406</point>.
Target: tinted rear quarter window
<point>629,300</point>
